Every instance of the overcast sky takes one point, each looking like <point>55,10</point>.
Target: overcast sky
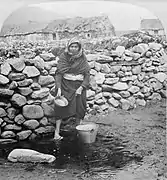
<point>119,14</point>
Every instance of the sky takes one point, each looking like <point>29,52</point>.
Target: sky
<point>119,13</point>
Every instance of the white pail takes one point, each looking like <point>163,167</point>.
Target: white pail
<point>88,132</point>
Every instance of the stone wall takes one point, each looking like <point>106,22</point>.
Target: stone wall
<point>120,78</point>
<point>127,78</point>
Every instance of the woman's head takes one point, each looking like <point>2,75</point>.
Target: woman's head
<point>74,46</point>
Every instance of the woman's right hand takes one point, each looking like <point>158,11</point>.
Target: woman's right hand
<point>59,92</point>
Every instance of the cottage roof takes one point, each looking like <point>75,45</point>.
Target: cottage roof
<point>19,29</point>
<point>80,24</point>
<point>151,24</point>
<point>77,24</point>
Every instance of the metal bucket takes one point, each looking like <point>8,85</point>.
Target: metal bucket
<point>88,132</point>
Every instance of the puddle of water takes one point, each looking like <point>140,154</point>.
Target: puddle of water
<point>106,151</point>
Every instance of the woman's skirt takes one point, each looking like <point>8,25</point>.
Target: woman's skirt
<point>77,104</point>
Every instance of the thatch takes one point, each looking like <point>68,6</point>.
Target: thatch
<point>151,24</point>
<point>23,29</point>
<point>78,24</point>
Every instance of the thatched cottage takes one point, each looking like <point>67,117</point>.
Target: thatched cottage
<point>31,31</point>
<point>92,27</point>
<point>152,26</point>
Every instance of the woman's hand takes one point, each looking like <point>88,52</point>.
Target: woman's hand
<point>79,91</point>
<point>59,92</point>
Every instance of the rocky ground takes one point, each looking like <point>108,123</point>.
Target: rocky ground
<point>142,134</point>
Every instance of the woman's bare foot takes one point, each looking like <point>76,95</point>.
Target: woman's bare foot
<point>57,136</point>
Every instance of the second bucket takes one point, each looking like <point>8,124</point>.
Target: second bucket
<point>88,132</point>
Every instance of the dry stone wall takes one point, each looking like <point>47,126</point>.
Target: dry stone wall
<point>120,78</point>
<point>127,78</point>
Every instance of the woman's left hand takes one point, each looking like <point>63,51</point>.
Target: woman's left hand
<point>79,91</point>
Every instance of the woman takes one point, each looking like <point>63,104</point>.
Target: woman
<point>72,80</point>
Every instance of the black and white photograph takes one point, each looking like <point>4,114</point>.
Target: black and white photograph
<point>83,90</point>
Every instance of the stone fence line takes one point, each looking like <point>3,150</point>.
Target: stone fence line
<point>121,78</point>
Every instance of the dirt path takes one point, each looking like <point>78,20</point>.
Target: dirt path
<point>143,130</point>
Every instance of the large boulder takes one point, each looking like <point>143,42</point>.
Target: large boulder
<point>44,130</point>
<point>13,85</point>
<point>163,68</point>
<point>3,113</point>
<point>120,86</point>
<point>39,94</point>
<point>50,64</point>
<point>98,96</point>
<point>19,119</point>
<point>31,71</point>
<point>97,66</point>
<point>1,121</point>
<point>48,109</point>
<point>8,134</point>
<point>104,59</point>
<point>25,82</point>
<point>7,120</point>
<point>141,102</point>
<point>155,97</point>
<point>99,78</point>
<point>100,101</point>
<point>11,112</point>
<point>39,63</point>
<point>44,121</point>
<point>12,127</point>
<point>24,134</point>
<point>140,48</point>
<point>41,130</point>
<point>6,92</point>
<point>93,83</point>
<point>92,64</point>
<point>28,155</point>
<point>35,86</point>
<point>3,80</point>
<point>113,102</point>
<point>6,69</point>
<point>33,112</point>
<point>161,76</point>
<point>90,94</point>
<point>155,46</point>
<point>116,96</point>
<point>92,57</point>
<point>31,124</point>
<point>16,76</point>
<point>125,104</point>
<point>25,91</point>
<point>115,69</point>
<point>111,81</point>
<point>17,64</point>
<point>52,71</point>
<point>134,89</point>
<point>47,56</point>
<point>7,141</point>
<point>132,101</point>
<point>120,50</point>
<point>136,70</point>
<point>155,84</point>
<point>45,80</point>
<point>106,88</point>
<point>93,72</point>
<point>18,100</point>
<point>124,94</point>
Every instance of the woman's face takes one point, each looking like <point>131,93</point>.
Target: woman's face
<point>74,48</point>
